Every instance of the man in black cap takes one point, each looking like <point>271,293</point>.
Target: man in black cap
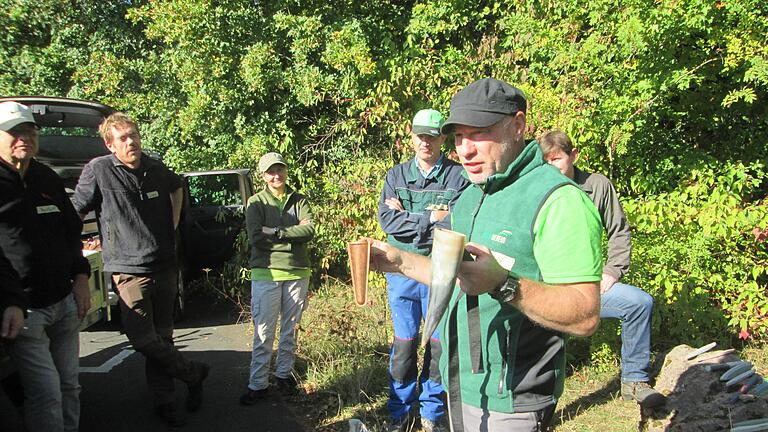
<point>535,242</point>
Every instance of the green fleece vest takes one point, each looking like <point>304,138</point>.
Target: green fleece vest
<point>493,353</point>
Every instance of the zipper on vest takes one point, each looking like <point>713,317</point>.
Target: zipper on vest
<point>504,356</point>
<point>474,215</point>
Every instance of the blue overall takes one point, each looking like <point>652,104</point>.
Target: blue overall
<point>408,302</point>
<point>411,230</point>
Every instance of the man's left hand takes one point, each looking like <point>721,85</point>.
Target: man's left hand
<point>394,204</point>
<point>607,282</point>
<point>483,274</point>
<point>12,322</point>
<point>82,294</point>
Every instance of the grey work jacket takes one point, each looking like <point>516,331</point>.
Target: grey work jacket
<point>601,191</point>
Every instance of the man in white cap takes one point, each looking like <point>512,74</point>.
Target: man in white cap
<point>535,241</point>
<point>40,239</point>
<point>417,194</point>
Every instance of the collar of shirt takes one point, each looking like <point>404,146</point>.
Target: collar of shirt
<point>433,171</point>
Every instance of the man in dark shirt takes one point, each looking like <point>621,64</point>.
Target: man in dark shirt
<point>137,201</point>
<point>42,255</point>
<point>631,305</point>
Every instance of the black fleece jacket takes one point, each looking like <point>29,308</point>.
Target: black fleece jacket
<point>39,236</point>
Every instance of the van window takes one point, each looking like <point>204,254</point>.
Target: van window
<point>214,190</point>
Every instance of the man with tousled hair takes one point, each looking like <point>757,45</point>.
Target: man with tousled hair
<point>138,201</point>
<point>630,304</point>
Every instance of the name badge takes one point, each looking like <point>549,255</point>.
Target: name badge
<point>436,207</point>
<point>47,209</point>
<point>153,194</point>
<point>505,261</point>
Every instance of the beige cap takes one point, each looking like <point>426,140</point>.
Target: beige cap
<point>270,159</point>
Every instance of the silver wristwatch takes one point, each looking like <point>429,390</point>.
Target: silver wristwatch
<point>507,290</point>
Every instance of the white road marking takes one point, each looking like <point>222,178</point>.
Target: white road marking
<point>109,364</point>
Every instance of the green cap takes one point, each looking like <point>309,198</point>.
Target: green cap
<point>270,159</point>
<point>427,122</point>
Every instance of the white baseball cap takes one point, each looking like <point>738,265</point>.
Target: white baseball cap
<point>13,114</point>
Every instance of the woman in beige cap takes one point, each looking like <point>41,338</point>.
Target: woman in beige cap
<point>279,224</point>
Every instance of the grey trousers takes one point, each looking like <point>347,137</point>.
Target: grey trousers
<point>46,354</point>
<point>269,300</point>
<point>480,420</point>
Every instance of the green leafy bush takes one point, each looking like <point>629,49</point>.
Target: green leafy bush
<point>696,252</point>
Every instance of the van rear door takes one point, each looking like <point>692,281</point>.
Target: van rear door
<point>213,215</point>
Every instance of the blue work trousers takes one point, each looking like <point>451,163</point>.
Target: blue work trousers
<point>634,308</point>
<point>408,303</point>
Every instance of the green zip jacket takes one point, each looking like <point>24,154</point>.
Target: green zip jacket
<point>288,249</point>
<point>494,356</point>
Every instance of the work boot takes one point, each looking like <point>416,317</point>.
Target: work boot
<point>400,425</point>
<point>286,386</point>
<point>195,389</point>
<point>252,396</point>
<point>428,425</point>
<point>168,414</point>
<point>644,394</point>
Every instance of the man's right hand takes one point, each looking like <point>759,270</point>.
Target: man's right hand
<point>13,321</point>
<point>440,214</point>
<point>607,282</point>
<point>385,258</point>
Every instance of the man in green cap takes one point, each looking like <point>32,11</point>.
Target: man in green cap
<point>417,194</point>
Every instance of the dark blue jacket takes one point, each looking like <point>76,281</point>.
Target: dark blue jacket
<point>411,229</point>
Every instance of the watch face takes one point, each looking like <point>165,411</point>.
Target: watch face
<point>509,289</point>
<point>506,291</point>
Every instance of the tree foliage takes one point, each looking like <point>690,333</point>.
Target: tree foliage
<point>666,97</point>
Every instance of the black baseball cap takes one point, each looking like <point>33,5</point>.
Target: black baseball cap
<point>483,103</point>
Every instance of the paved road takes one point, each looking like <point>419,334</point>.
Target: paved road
<point>115,397</point>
